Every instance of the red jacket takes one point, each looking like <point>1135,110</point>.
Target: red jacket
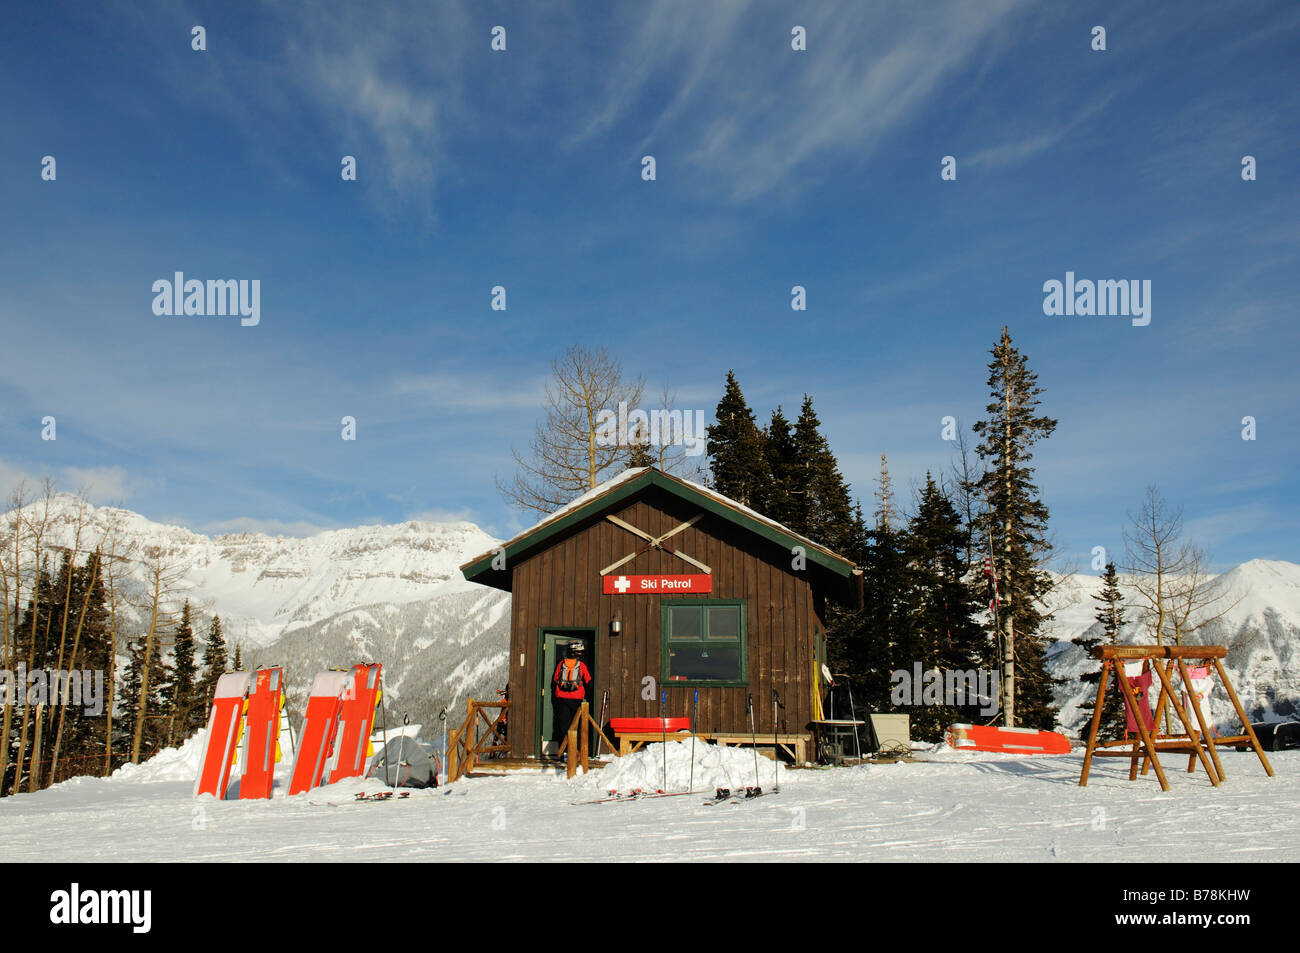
<point>584,679</point>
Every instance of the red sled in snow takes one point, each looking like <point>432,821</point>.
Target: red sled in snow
<point>316,740</point>
<point>1006,740</point>
<point>262,734</point>
<point>224,725</point>
<point>356,721</point>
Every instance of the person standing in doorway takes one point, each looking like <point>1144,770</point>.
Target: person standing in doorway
<point>569,688</point>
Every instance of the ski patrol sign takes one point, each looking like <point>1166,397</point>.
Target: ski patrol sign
<point>656,585</point>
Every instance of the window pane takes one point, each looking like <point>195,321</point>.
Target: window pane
<point>724,622</point>
<point>685,622</point>
<point>704,662</point>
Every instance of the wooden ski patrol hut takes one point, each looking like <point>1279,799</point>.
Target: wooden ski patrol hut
<point>672,587</point>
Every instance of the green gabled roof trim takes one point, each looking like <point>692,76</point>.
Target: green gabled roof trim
<point>787,539</point>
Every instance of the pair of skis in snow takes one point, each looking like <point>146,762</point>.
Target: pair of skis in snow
<point>724,796</point>
<point>244,726</point>
<point>638,795</point>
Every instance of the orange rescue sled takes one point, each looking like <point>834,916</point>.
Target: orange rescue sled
<point>356,720</point>
<point>1006,740</point>
<point>262,734</point>
<point>316,743</point>
<point>223,733</point>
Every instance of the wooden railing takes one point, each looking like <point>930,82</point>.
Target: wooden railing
<point>480,735</point>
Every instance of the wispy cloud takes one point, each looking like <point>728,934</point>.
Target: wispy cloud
<point>372,77</point>
<point>1029,145</point>
<point>749,109</point>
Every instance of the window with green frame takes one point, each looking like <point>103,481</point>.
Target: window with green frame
<point>704,642</point>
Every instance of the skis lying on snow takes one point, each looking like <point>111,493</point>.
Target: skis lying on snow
<point>724,796</point>
<point>637,795</point>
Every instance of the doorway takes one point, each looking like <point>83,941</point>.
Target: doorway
<point>554,647</point>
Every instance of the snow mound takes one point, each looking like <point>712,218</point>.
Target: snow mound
<point>716,766</point>
<point>170,764</point>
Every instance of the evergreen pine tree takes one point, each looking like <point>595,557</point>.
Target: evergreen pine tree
<point>780,462</point>
<point>945,634</point>
<point>239,661</point>
<point>823,509</point>
<point>181,691</point>
<point>214,662</point>
<point>1110,615</point>
<point>735,448</point>
<point>157,715</point>
<point>1016,526</point>
<point>884,496</point>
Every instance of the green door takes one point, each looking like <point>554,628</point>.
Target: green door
<point>555,645</point>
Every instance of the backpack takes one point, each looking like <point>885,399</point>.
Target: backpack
<point>570,675</point>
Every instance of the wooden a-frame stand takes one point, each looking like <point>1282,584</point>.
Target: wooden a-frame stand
<point>1162,660</point>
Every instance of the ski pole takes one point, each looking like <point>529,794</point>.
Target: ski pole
<point>695,711</point>
<point>442,716</point>
<point>383,708</point>
<point>853,713</point>
<point>600,734</point>
<point>776,742</point>
<point>753,735</point>
<point>663,727</point>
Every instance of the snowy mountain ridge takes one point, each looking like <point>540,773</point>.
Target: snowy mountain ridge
<point>265,587</point>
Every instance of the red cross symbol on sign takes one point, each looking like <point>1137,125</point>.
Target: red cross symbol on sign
<point>654,542</point>
<point>622,584</point>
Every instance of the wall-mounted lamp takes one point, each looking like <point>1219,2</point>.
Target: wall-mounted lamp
<point>616,624</point>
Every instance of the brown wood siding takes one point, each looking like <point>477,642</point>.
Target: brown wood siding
<point>560,587</point>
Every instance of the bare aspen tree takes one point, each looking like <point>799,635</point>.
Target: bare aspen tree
<point>1154,556</point>
<point>565,458</point>
<point>163,576</point>
<point>1198,597</point>
<point>1177,594</point>
<point>966,476</point>
<point>93,575</point>
<point>12,583</point>
<point>117,552</point>
<point>79,517</point>
<point>1180,594</point>
<point>35,519</point>
<point>672,454</point>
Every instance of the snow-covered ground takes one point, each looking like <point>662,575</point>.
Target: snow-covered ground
<point>953,807</point>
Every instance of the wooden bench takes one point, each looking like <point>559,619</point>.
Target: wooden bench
<point>795,745</point>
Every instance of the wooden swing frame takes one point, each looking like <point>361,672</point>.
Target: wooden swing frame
<point>1162,659</point>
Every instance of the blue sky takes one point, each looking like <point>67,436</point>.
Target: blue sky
<point>522,168</point>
